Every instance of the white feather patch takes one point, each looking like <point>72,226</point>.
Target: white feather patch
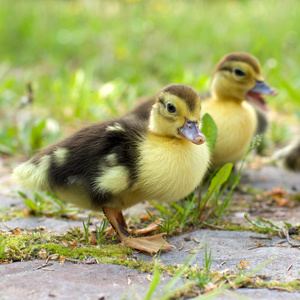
<point>111,159</point>
<point>33,176</point>
<point>60,156</point>
<point>115,127</point>
<point>114,180</point>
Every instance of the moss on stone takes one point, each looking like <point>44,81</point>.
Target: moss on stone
<point>239,227</point>
<point>31,245</point>
<point>27,245</point>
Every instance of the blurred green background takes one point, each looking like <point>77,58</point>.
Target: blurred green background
<point>91,60</point>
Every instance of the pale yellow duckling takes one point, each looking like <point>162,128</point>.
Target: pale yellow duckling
<point>237,79</point>
<point>113,165</point>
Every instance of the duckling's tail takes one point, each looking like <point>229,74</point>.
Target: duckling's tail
<point>33,175</point>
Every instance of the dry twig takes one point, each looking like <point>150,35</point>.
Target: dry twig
<point>43,266</point>
<point>257,246</point>
<point>221,264</point>
<point>181,247</point>
<point>289,268</point>
<point>278,243</point>
<point>260,237</point>
<point>213,226</point>
<point>6,226</point>
<point>73,260</point>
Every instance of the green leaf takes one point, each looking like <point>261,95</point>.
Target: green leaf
<point>31,205</point>
<point>23,195</point>
<point>161,208</point>
<point>259,224</point>
<point>220,178</point>
<point>268,222</point>
<point>288,225</point>
<point>154,283</point>
<point>210,130</point>
<point>178,208</point>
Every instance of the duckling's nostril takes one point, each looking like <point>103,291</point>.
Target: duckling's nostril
<point>189,125</point>
<point>200,139</point>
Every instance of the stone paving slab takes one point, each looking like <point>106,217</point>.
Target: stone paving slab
<point>10,202</point>
<point>228,246</point>
<point>50,224</point>
<point>21,280</point>
<point>231,247</point>
<point>81,281</point>
<point>263,294</point>
<point>270,176</point>
<point>69,280</point>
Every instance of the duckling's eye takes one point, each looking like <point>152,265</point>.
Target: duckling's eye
<point>171,108</point>
<point>239,72</point>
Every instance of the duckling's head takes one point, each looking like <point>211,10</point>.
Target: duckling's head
<point>238,76</point>
<point>176,114</point>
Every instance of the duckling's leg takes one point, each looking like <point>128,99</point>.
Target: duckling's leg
<point>121,220</point>
<point>117,221</point>
<point>150,228</point>
<point>151,244</point>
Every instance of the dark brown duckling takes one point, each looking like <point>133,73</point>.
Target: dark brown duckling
<point>113,165</point>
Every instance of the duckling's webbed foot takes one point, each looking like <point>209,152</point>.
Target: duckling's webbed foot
<point>150,244</point>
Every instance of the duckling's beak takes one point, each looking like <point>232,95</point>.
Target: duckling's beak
<point>254,95</point>
<point>262,88</point>
<point>190,131</point>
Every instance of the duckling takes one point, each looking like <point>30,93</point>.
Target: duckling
<point>237,82</point>
<point>113,165</point>
<point>262,122</point>
<point>289,156</point>
<point>237,78</point>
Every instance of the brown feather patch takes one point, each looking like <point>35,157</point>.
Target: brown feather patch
<point>239,56</point>
<point>184,92</point>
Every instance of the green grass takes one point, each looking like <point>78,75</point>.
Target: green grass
<point>70,49</point>
<point>91,60</point>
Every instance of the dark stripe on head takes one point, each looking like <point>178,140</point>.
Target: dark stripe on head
<point>162,102</point>
<point>188,94</point>
<point>225,69</point>
<point>239,56</point>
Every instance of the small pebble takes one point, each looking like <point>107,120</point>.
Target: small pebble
<point>187,238</point>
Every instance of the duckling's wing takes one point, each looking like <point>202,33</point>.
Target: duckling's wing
<point>100,160</point>
<point>142,111</point>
